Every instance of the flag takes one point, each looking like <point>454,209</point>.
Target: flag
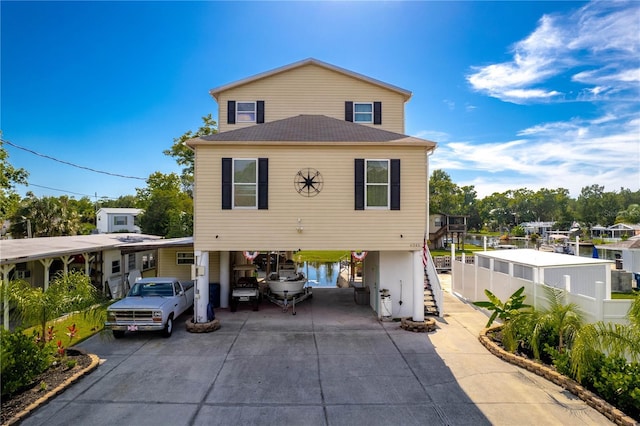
<point>425,252</point>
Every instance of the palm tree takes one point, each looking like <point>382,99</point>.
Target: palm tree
<point>66,293</point>
<point>555,325</point>
<point>621,340</point>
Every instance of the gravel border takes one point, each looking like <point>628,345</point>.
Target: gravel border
<point>593,400</point>
<point>95,361</point>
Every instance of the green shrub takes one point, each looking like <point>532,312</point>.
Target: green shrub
<point>21,360</point>
<point>503,310</point>
<point>619,384</point>
<point>562,362</point>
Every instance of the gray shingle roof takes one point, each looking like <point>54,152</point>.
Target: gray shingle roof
<point>308,128</point>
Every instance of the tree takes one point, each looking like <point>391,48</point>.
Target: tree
<point>35,306</point>
<point>123,201</point>
<point>613,339</point>
<point>85,210</point>
<point>184,156</point>
<point>494,210</point>
<point>630,215</point>
<point>168,210</point>
<point>47,216</point>
<point>443,194</point>
<point>9,177</point>
<point>555,326</point>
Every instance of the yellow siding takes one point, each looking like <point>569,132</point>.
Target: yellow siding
<point>312,89</point>
<point>329,220</point>
<point>168,266</point>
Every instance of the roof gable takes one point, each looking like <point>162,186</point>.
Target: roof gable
<point>310,61</point>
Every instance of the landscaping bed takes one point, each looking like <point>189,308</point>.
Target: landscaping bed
<point>491,339</point>
<point>45,386</point>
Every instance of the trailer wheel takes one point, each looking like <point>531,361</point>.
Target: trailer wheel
<point>118,334</point>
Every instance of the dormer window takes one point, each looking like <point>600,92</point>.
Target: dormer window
<point>245,112</point>
<point>362,112</point>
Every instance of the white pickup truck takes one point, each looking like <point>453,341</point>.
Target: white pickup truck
<point>151,304</point>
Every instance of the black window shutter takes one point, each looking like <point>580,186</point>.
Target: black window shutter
<point>377,113</point>
<point>359,184</point>
<point>263,183</point>
<point>348,111</point>
<point>231,112</point>
<point>260,112</point>
<point>227,183</point>
<point>395,184</point>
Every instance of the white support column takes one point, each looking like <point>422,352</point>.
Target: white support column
<point>66,261</point>
<point>418,287</point>
<point>225,279</point>
<point>600,296</point>
<point>202,286</point>
<point>47,264</point>
<point>567,289</point>
<point>5,270</point>
<point>87,262</point>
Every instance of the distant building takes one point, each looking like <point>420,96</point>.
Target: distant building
<point>540,228</point>
<point>110,220</point>
<point>620,230</point>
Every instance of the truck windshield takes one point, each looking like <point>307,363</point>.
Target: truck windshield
<point>151,289</point>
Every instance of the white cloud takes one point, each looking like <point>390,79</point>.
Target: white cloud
<point>589,55</point>
<point>600,40</point>
<point>571,155</point>
<point>432,135</point>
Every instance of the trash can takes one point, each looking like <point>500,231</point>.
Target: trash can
<point>214,294</point>
<point>361,295</point>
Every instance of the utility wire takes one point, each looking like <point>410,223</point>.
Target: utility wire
<point>69,192</point>
<point>68,163</point>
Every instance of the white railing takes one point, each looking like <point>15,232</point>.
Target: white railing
<point>469,282</point>
<point>436,288</point>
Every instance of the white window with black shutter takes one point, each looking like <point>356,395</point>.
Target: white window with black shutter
<point>245,183</point>
<point>363,112</point>
<point>245,112</point>
<point>377,184</point>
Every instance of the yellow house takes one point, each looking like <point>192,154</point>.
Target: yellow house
<point>311,156</point>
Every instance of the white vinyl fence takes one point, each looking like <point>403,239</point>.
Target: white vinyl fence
<point>469,282</point>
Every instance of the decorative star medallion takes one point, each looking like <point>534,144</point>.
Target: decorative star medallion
<point>308,182</point>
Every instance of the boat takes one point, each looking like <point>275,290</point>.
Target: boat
<point>287,282</point>
<point>558,243</point>
<point>556,248</point>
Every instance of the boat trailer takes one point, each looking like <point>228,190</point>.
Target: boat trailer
<point>286,301</point>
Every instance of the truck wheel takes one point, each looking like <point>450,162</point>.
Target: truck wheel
<point>118,334</point>
<point>168,327</point>
<point>233,306</point>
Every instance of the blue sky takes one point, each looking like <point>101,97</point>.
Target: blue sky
<point>517,94</point>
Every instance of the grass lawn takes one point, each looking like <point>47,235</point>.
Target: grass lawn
<point>86,326</point>
<point>631,295</point>
<point>468,249</point>
<point>321,256</point>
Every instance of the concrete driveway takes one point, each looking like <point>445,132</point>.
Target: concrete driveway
<point>333,363</point>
